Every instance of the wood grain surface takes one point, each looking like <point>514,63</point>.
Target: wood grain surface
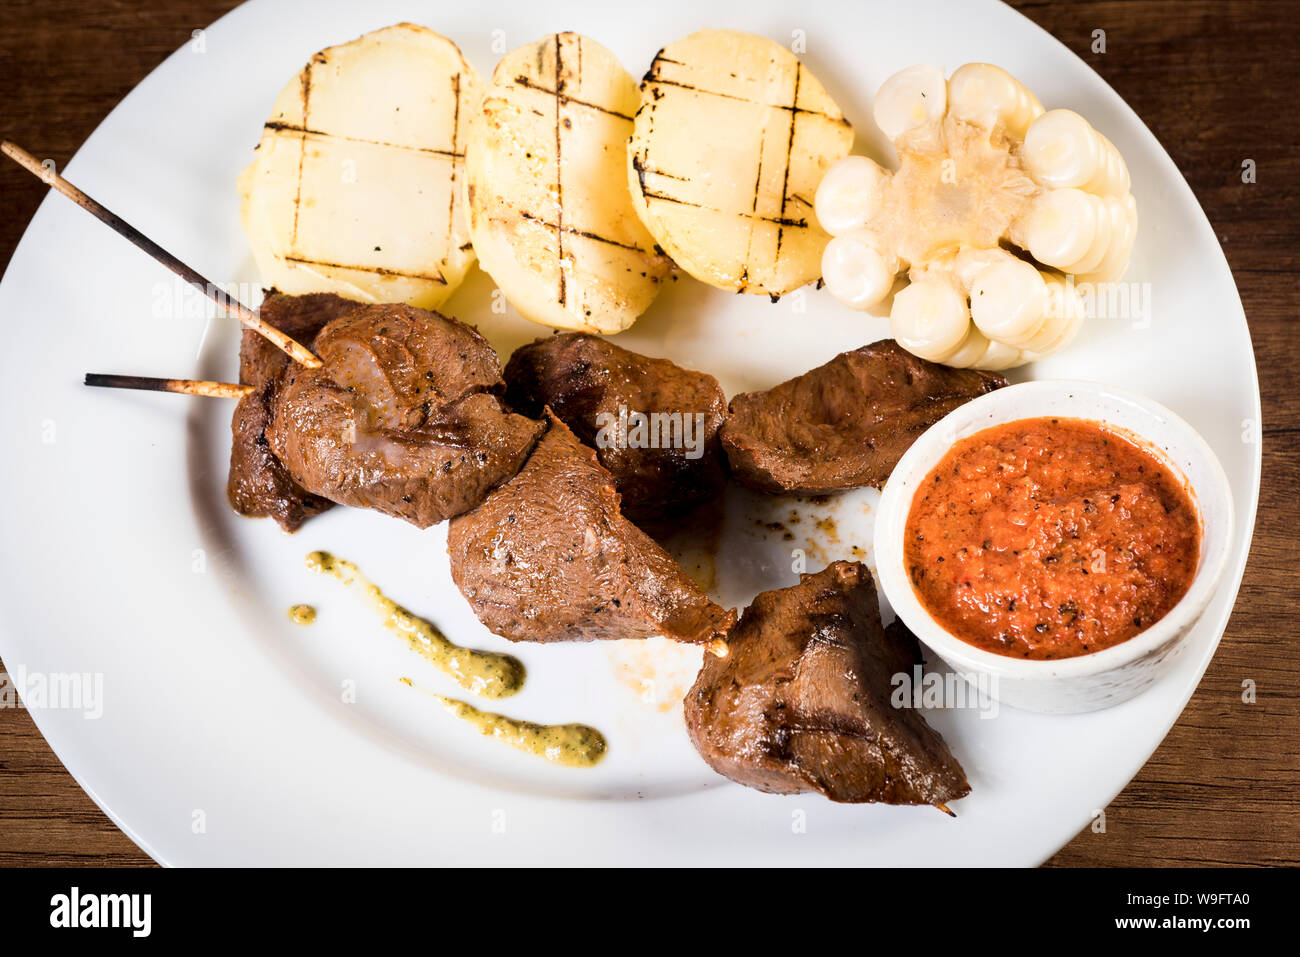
<point>1215,81</point>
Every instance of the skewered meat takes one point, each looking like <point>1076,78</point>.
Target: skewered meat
<point>844,424</point>
<point>259,485</point>
<point>802,700</point>
<point>675,463</point>
<point>404,417</point>
<point>549,557</point>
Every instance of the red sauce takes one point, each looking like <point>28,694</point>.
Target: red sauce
<point>1050,538</point>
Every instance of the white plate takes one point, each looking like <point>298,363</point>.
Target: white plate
<point>223,737</point>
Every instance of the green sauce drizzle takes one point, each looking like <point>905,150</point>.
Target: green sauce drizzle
<point>483,673</point>
<point>302,614</point>
<point>574,745</point>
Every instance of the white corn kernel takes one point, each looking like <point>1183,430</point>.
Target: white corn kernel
<point>1061,149</point>
<point>849,194</point>
<point>930,319</point>
<point>1065,314</point>
<point>913,97</point>
<point>971,350</point>
<point>988,96</point>
<point>1100,243</point>
<point>1123,214</point>
<point>1060,227</point>
<point>855,271</point>
<point>1008,302</point>
<point>999,356</point>
<point>1111,178</point>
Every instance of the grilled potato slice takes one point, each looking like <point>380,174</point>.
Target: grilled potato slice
<point>731,139</point>
<point>355,188</point>
<point>546,185</point>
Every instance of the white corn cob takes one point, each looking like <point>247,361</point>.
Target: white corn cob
<point>983,170</point>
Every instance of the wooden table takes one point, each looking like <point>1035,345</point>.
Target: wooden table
<point>1216,82</point>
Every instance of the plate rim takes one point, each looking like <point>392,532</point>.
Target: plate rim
<point>1234,574</point>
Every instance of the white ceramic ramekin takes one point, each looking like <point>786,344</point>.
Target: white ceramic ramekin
<point>1103,678</point>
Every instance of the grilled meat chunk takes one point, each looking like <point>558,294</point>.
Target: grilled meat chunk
<point>594,386</point>
<point>845,424</point>
<point>259,485</point>
<point>802,700</point>
<point>403,417</point>
<point>549,557</point>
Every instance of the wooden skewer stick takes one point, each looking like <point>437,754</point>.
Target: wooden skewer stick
<point>213,390</point>
<point>27,161</point>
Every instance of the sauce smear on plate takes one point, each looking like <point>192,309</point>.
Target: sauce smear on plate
<point>1050,538</point>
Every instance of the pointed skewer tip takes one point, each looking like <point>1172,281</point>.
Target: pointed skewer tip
<point>200,387</point>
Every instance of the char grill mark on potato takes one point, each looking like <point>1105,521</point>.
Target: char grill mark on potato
<point>276,126</point>
<point>586,381</point>
<point>404,417</point>
<point>802,700</point>
<point>549,209</point>
<point>559,168</point>
<point>844,424</point>
<point>563,97</point>
<point>548,556</point>
<point>726,216</point>
<point>259,486</point>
